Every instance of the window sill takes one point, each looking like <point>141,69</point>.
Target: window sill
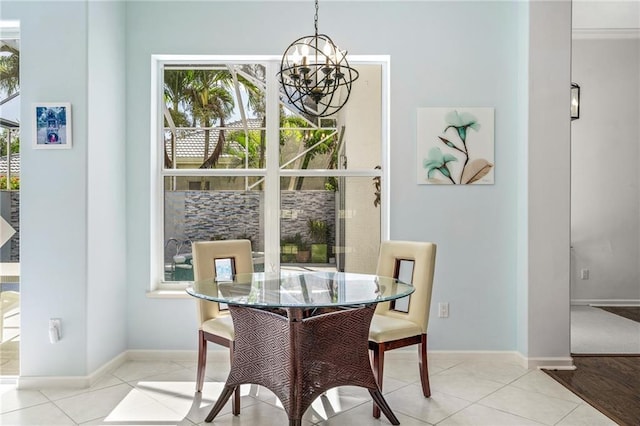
<point>168,293</point>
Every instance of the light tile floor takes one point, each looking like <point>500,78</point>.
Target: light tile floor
<point>465,391</point>
<point>596,331</point>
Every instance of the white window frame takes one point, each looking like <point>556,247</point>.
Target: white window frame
<point>272,173</point>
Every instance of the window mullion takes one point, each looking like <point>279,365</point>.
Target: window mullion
<point>272,179</point>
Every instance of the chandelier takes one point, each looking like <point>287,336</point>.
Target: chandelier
<point>315,74</point>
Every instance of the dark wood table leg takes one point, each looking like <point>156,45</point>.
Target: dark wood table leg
<point>224,397</point>
<point>377,397</point>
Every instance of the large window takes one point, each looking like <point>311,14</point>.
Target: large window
<point>234,160</point>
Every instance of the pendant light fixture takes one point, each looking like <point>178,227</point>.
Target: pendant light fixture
<point>315,74</point>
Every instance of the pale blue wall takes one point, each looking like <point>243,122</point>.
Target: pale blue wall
<point>522,215</point>
<point>72,201</point>
<point>53,188</point>
<point>442,54</point>
<point>106,229</point>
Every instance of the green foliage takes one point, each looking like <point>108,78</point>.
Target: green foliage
<point>14,183</point>
<point>10,69</point>
<point>15,143</point>
<point>205,98</point>
<point>318,230</point>
<point>296,130</point>
<point>331,184</point>
<point>301,242</point>
<point>251,147</point>
<point>287,239</point>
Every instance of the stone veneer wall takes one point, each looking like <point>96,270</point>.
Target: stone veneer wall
<point>222,215</point>
<point>188,216</point>
<point>11,213</point>
<point>15,223</point>
<point>297,207</point>
<point>217,215</point>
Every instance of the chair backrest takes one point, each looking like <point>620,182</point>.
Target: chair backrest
<point>204,253</point>
<point>424,256</point>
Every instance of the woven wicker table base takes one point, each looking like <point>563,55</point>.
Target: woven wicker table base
<point>299,357</point>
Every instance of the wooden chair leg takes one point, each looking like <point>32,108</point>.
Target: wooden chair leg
<point>377,363</point>
<point>202,360</point>
<point>235,400</point>
<point>424,367</point>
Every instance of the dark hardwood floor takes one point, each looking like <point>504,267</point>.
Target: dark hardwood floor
<point>610,383</point>
<point>628,312</point>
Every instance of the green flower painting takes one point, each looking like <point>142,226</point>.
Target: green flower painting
<point>455,146</point>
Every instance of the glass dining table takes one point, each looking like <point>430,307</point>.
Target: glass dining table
<point>301,334</point>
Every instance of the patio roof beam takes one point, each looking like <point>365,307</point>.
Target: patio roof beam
<point>8,98</point>
<point>284,104</point>
<point>300,154</point>
<point>9,124</point>
<point>243,117</point>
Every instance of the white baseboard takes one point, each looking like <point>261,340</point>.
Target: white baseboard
<point>183,356</point>
<point>74,382</point>
<point>551,363</point>
<point>501,356</point>
<point>514,357</point>
<point>605,302</point>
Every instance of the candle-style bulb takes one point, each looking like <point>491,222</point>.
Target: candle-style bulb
<point>327,51</point>
<point>304,50</point>
<point>295,57</point>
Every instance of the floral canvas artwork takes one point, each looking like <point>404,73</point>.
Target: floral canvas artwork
<point>455,146</point>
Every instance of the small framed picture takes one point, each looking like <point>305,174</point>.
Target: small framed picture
<point>225,268</point>
<point>52,125</point>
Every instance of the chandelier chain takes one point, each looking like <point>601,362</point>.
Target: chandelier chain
<point>315,19</point>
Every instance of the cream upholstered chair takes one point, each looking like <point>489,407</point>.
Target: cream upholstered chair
<point>215,324</point>
<point>395,325</point>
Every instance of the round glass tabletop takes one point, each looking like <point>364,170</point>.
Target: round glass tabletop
<point>301,290</point>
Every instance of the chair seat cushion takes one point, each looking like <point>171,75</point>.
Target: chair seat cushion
<point>221,326</point>
<point>386,328</point>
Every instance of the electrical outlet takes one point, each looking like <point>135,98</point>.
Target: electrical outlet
<point>584,274</point>
<point>443,310</point>
<point>55,332</point>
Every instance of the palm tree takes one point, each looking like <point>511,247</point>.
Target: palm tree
<point>211,100</point>
<point>9,69</point>
<point>257,103</point>
<point>175,92</point>
<point>208,99</point>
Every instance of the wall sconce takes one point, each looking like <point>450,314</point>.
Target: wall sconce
<point>575,101</point>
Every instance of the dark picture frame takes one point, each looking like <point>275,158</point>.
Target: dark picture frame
<point>225,268</point>
<point>403,272</point>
